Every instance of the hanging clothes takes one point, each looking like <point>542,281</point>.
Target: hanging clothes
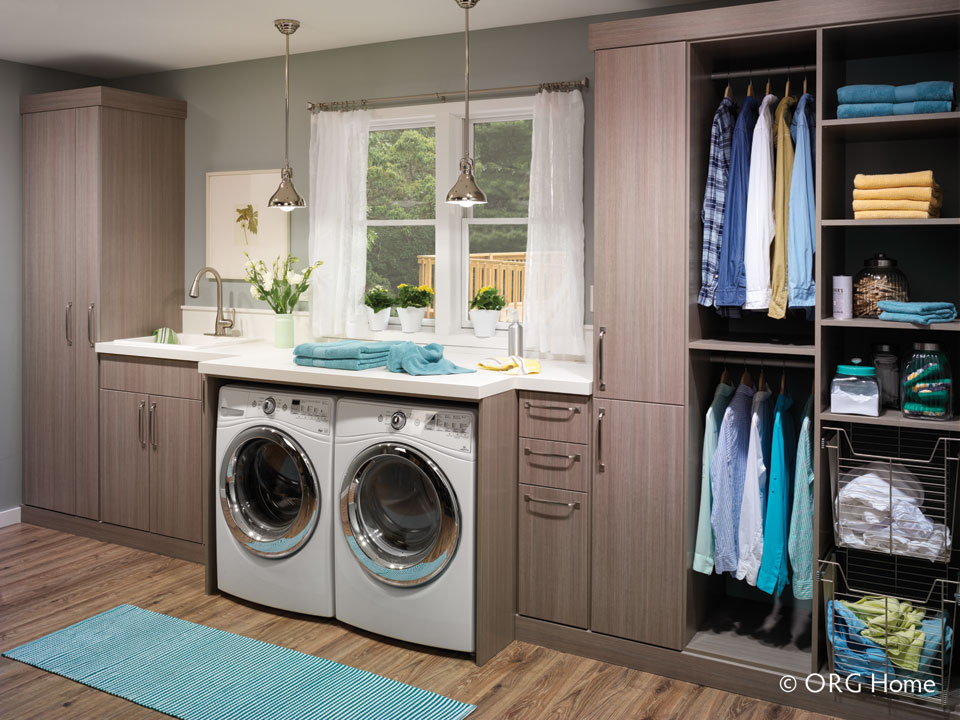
<point>801,231</point>
<point>781,208</point>
<point>760,224</point>
<point>727,471</point>
<point>732,284</point>
<point>714,198</point>
<point>773,568</point>
<point>753,504</point>
<point>800,543</point>
<point>703,555</point>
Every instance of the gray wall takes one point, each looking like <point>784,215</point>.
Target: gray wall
<point>15,80</point>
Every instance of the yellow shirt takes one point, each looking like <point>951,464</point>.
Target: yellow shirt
<point>781,203</point>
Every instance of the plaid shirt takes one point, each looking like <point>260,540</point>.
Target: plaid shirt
<point>714,198</point>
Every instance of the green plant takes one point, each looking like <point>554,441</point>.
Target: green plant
<point>487,298</point>
<point>249,220</point>
<point>410,296</point>
<point>280,286</point>
<point>379,298</point>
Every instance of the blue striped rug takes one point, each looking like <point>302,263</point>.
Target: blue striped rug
<point>195,672</point>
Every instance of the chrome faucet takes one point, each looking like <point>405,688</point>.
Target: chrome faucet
<point>223,323</point>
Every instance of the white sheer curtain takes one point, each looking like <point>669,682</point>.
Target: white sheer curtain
<point>553,294</point>
<point>338,213</point>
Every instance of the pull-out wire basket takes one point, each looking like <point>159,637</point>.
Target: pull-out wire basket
<point>894,489</point>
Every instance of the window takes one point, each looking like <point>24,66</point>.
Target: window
<point>414,237</point>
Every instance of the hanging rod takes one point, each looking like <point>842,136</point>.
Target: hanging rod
<point>765,360</point>
<point>564,86</point>
<point>761,72</point>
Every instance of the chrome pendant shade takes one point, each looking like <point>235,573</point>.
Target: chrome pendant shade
<point>465,192</point>
<point>286,197</point>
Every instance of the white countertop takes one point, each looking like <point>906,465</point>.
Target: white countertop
<point>258,361</point>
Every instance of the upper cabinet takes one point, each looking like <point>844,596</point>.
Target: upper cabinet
<point>641,223</point>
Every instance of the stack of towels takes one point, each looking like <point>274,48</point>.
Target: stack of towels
<point>898,195</point>
<point>858,101</point>
<point>920,313</point>
<point>397,356</point>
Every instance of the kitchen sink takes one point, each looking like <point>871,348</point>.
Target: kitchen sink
<point>188,341</point>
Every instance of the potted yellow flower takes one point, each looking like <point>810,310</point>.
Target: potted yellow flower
<point>412,304</point>
<point>280,287</point>
<point>485,311</point>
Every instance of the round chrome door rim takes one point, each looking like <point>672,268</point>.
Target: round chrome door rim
<point>384,569</point>
<point>292,540</point>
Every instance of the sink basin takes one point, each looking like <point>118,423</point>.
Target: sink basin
<point>187,342</point>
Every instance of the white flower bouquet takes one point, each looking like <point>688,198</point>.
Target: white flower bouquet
<point>279,286</point>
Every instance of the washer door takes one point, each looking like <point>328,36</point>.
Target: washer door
<point>269,492</point>
<point>399,514</point>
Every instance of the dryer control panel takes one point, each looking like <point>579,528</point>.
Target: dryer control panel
<point>451,428</point>
<point>310,412</point>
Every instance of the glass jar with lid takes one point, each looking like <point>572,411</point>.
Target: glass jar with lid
<point>855,390</point>
<point>927,384</point>
<point>879,279</point>
<point>886,360</point>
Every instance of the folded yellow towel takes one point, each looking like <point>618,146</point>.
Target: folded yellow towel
<point>923,178</point>
<point>511,365</point>
<point>895,205</point>
<point>900,193</point>
<point>890,214</point>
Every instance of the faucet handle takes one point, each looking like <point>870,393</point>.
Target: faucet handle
<point>229,318</point>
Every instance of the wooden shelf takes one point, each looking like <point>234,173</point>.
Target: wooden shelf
<point>889,325</point>
<point>894,127</point>
<point>894,222</point>
<point>739,347</point>
<point>891,418</point>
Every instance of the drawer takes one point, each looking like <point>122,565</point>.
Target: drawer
<point>564,418</point>
<point>554,464</point>
<point>150,376</point>
<point>553,573</point>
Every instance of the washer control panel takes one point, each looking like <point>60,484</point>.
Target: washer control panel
<point>451,429</point>
<point>305,411</point>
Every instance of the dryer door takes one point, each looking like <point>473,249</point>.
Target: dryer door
<point>399,514</point>
<point>269,492</point>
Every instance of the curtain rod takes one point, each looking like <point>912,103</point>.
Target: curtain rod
<point>564,86</point>
<point>765,360</point>
<point>760,72</point>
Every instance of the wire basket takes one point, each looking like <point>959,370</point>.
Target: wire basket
<point>894,489</point>
<point>889,625</point>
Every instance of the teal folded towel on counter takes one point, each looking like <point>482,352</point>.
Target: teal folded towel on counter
<point>920,313</point>
<point>864,94</point>
<point>921,107</point>
<point>344,349</point>
<point>374,361</point>
<point>412,359</point>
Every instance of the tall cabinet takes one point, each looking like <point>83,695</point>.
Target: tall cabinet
<point>103,219</point>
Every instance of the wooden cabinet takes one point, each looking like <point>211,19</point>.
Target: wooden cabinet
<point>102,258</point>
<point>175,472</point>
<point>637,530</point>
<point>641,224</point>
<point>124,460</point>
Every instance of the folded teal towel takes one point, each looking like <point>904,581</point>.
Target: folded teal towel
<point>919,313</point>
<point>922,107</point>
<point>915,319</point>
<point>866,94</point>
<point>344,349</point>
<point>931,90</point>
<point>342,363</point>
<point>860,110</point>
<point>410,358</point>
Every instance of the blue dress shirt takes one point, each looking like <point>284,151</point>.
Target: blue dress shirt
<point>801,225</point>
<point>773,568</point>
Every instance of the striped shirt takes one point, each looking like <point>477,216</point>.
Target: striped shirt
<point>714,198</point>
<point>800,543</point>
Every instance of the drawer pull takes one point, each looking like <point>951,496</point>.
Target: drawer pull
<point>600,466</point>
<point>143,442</point>
<point>530,406</point>
<point>574,458</point>
<point>68,323</point>
<point>574,505</point>
<point>600,336</point>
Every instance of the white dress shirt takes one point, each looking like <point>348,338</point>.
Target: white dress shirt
<point>752,508</point>
<point>760,222</point>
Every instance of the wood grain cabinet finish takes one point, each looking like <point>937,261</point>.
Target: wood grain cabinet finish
<point>641,224</point>
<point>547,416</point>
<point>637,555</point>
<point>553,464</point>
<point>124,459</point>
<point>554,555</point>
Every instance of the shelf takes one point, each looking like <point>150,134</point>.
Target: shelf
<point>894,127</point>
<point>891,418</point>
<point>894,222</point>
<point>752,348</point>
<point>889,325</point>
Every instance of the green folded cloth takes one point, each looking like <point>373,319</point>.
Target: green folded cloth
<point>894,625</point>
<point>165,336</point>
<point>341,363</point>
<point>412,359</point>
<point>344,349</point>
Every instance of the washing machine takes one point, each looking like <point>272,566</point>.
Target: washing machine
<point>405,536</point>
<point>276,498</point>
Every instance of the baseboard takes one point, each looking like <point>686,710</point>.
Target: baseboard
<point>9,517</point>
<point>160,544</point>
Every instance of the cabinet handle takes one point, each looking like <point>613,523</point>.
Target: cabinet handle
<point>600,382</point>
<point>68,316</point>
<point>600,466</point>
<point>530,406</point>
<point>153,425</point>
<point>574,505</point>
<point>143,440</point>
<point>574,458</point>
<point>90,323</point>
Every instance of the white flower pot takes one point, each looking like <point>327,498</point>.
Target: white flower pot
<point>378,320</point>
<point>484,322</point>
<point>411,318</point>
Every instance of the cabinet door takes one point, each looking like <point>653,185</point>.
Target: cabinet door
<point>641,218</point>
<point>175,468</point>
<point>51,327</point>
<point>124,460</point>
<point>637,496</point>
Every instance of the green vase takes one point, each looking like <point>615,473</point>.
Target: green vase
<point>283,330</point>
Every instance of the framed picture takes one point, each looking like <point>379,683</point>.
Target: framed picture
<point>238,221</point>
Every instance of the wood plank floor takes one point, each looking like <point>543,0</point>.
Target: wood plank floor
<point>49,580</point>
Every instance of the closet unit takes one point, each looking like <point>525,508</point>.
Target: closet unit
<point>103,174</point>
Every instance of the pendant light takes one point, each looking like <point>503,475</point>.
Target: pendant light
<point>286,197</point>
<point>465,192</point>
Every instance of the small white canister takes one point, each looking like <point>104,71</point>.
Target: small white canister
<point>842,297</point>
